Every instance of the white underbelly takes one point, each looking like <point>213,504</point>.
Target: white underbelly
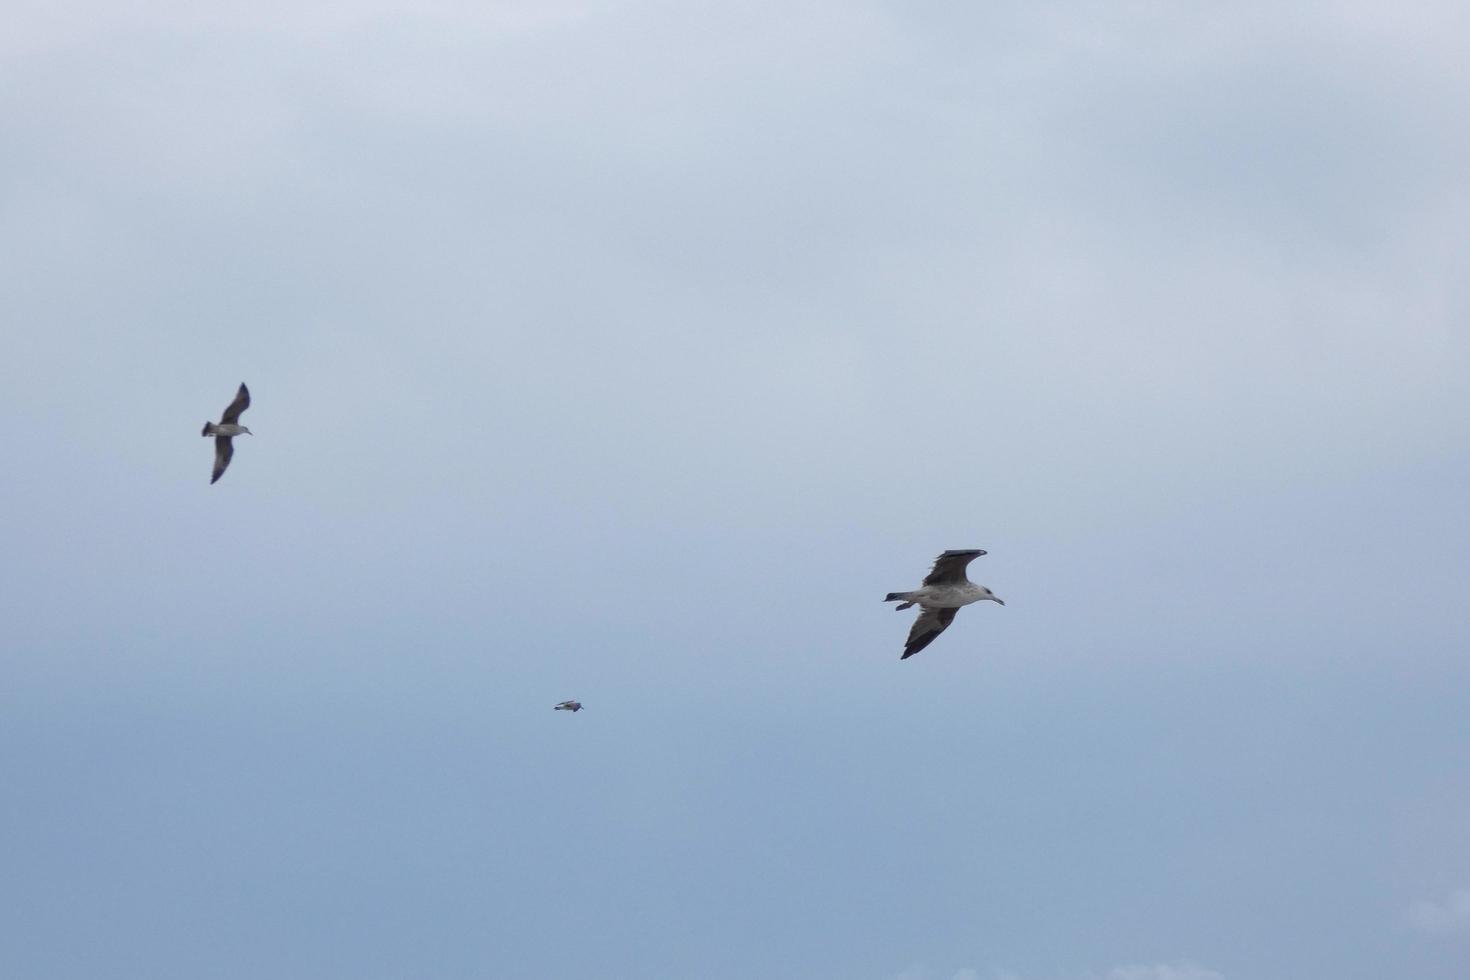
<point>948,596</point>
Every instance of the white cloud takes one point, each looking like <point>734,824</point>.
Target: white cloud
<point>1132,971</point>
<point>1162,971</point>
<point>1442,918</point>
<point>919,972</point>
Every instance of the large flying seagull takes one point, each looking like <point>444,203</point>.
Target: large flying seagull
<point>944,591</point>
<point>229,426</point>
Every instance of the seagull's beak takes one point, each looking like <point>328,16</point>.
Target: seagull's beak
<point>997,599</point>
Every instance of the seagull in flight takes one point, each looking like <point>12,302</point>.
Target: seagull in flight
<point>568,706</point>
<point>944,591</point>
<point>229,426</point>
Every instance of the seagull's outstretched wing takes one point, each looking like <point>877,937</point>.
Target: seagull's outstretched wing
<point>232,413</point>
<point>224,448</point>
<point>931,623</point>
<point>950,566</point>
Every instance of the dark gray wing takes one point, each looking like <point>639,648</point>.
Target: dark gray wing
<point>931,623</point>
<point>241,402</point>
<point>950,566</point>
<point>223,449</point>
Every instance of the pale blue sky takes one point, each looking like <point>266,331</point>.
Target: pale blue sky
<point>631,352</point>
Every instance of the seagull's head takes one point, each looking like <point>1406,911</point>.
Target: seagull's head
<point>246,431</point>
<point>991,596</point>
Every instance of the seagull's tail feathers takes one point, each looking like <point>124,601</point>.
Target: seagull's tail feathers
<point>207,427</point>
<point>899,596</point>
<point>902,606</point>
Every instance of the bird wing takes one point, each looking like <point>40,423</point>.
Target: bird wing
<point>950,566</point>
<point>241,402</point>
<point>931,623</point>
<point>223,449</point>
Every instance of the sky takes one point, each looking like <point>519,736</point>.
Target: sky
<point>631,351</point>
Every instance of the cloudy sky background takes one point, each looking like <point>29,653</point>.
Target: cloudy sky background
<point>631,351</point>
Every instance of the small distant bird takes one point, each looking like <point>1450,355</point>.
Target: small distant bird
<point>229,426</point>
<point>568,706</point>
<point>944,591</point>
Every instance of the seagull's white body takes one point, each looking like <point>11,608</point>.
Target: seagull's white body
<point>225,430</point>
<point>947,596</point>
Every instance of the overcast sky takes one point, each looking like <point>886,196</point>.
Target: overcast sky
<point>631,351</point>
